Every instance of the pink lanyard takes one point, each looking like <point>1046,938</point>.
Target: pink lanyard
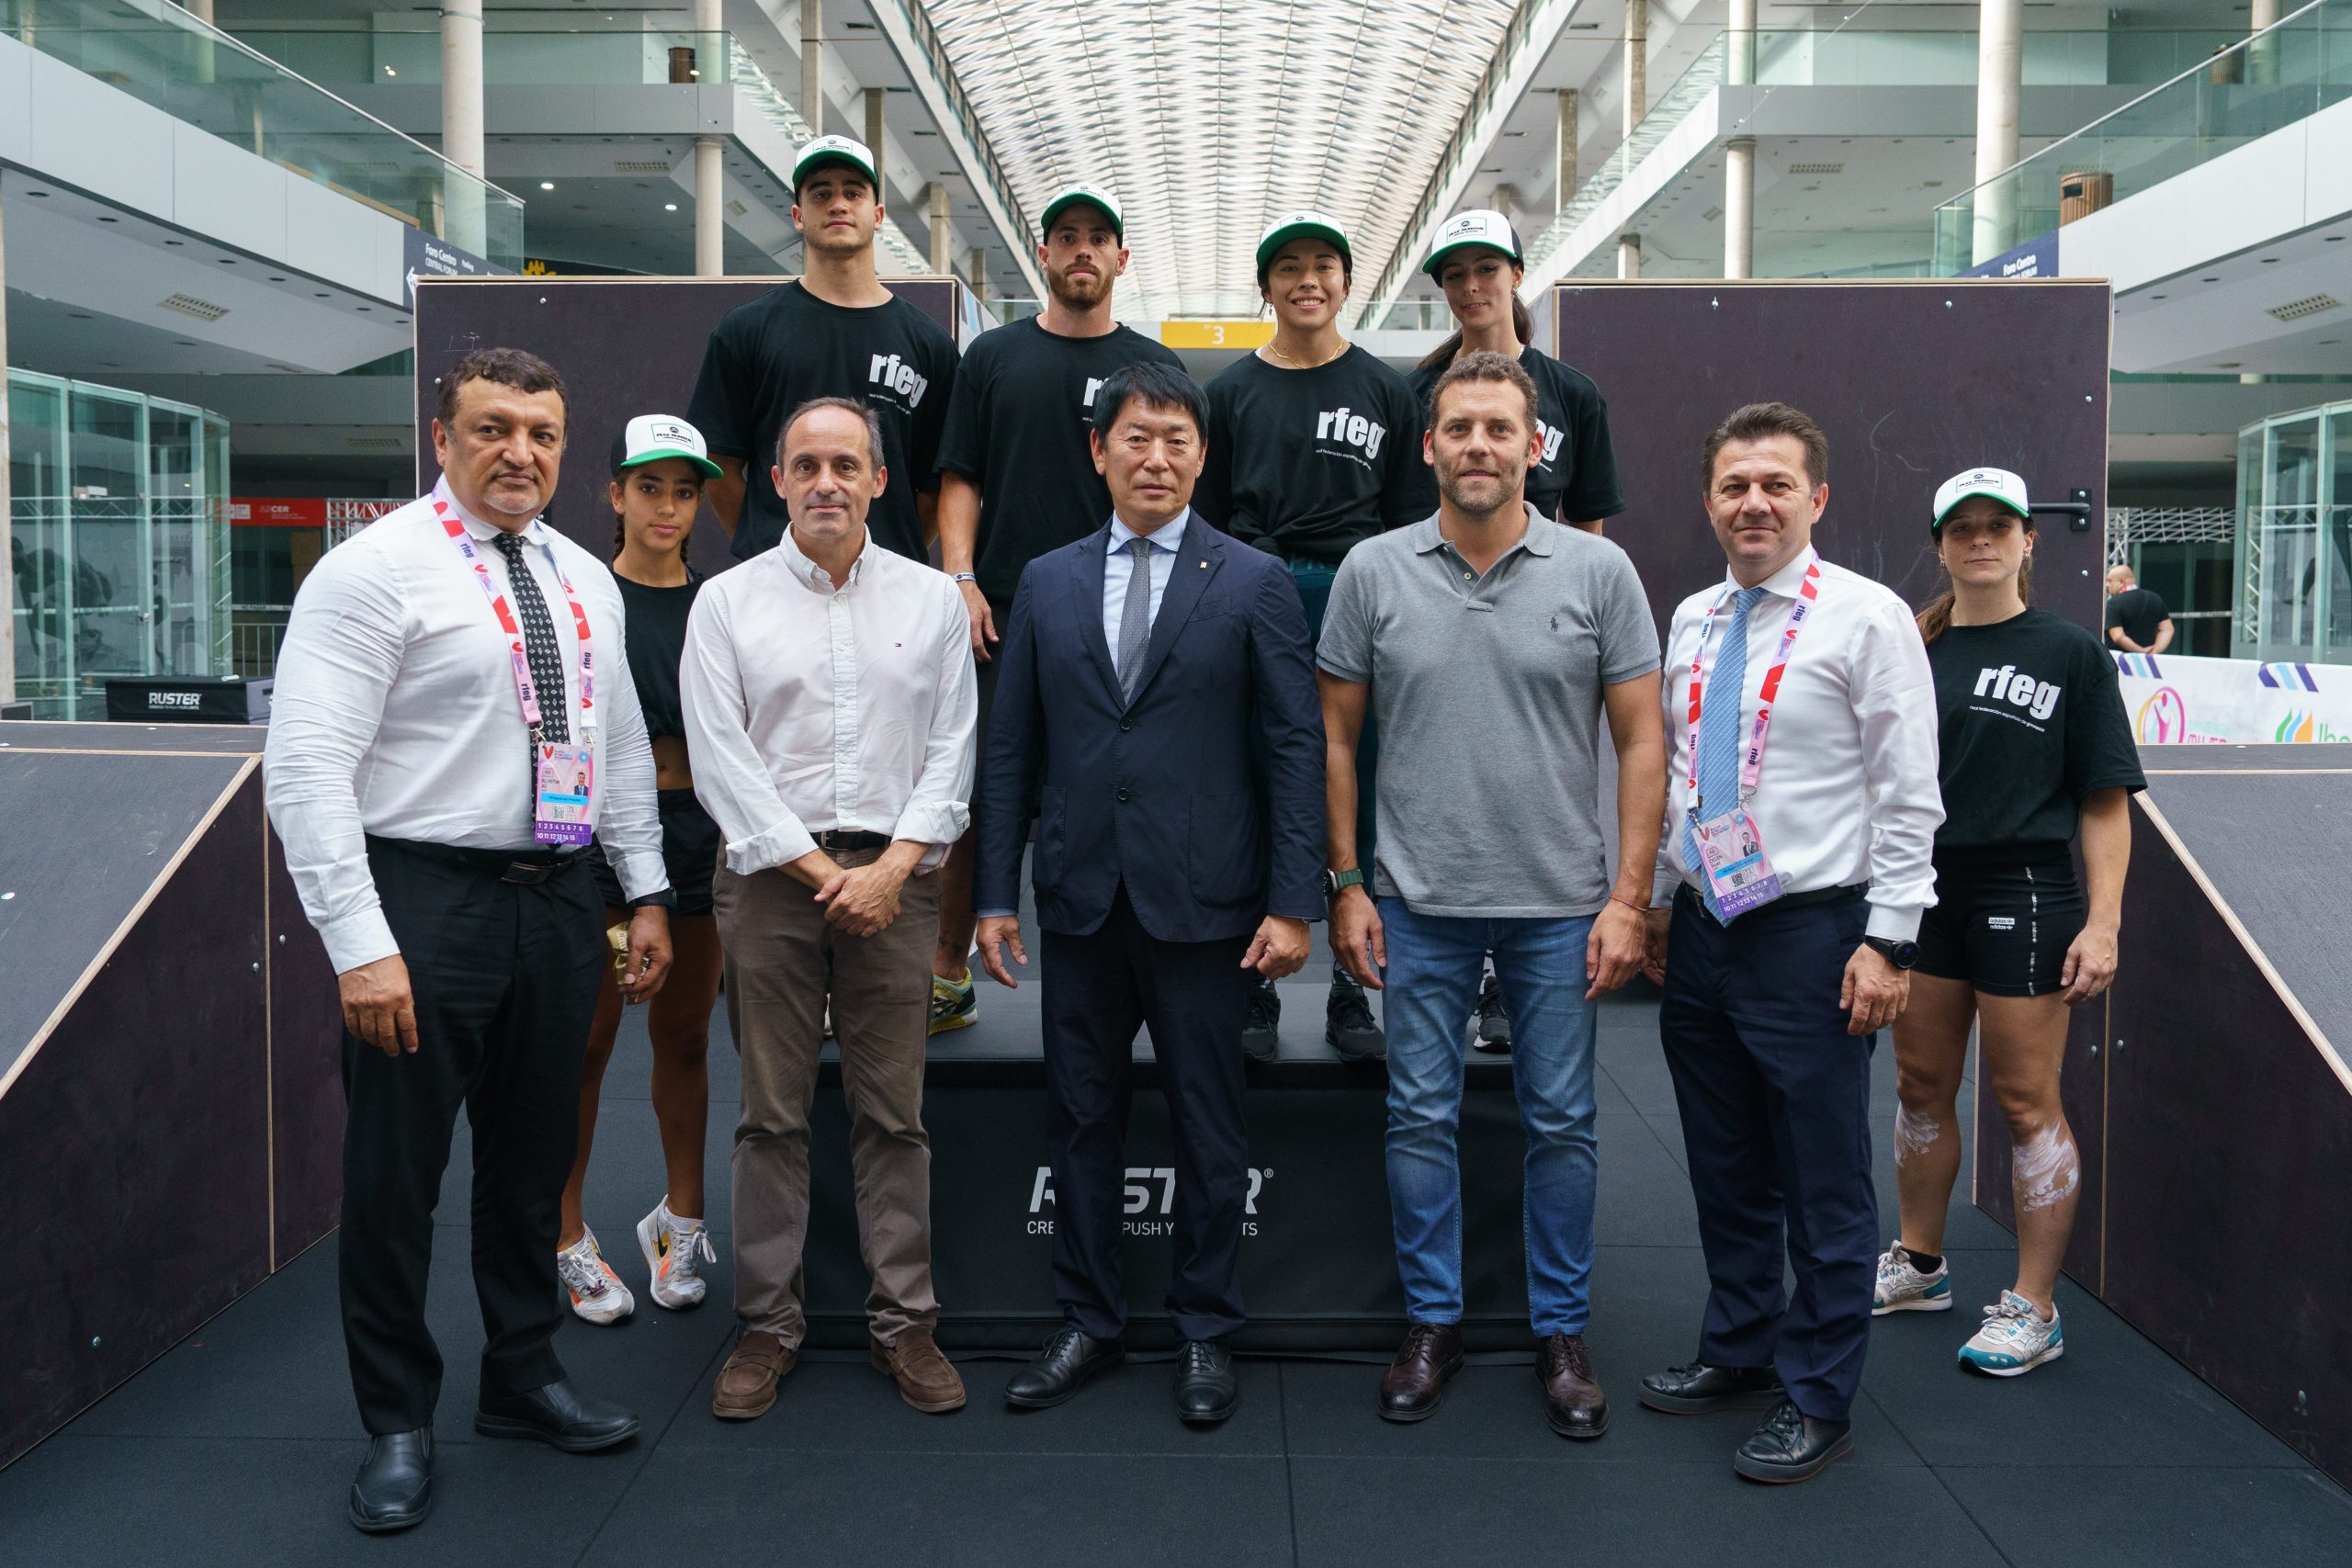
<point>524,687</point>
<point>1751,768</point>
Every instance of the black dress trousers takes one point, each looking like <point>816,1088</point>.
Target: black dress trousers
<point>505,975</point>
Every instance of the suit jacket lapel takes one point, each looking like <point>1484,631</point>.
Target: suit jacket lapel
<point>1196,566</point>
<point>1086,602</point>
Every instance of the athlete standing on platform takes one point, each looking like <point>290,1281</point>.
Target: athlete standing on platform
<point>1314,445</point>
<point>2035,743</point>
<point>659,469</point>
<point>1573,480</point>
<point>832,332</point>
<point>1016,479</point>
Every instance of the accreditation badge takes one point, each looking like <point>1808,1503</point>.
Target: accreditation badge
<point>567,781</point>
<point>1739,873</point>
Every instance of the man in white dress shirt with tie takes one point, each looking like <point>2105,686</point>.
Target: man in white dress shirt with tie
<point>438,705</point>
<point>829,704</point>
<point>1801,814</point>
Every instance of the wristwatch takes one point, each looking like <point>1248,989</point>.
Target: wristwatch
<point>1338,882</point>
<point>1901,954</point>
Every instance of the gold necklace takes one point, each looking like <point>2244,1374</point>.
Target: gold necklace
<point>1275,349</point>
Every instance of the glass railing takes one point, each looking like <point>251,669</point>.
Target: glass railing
<point>163,57</point>
<point>2255,85</point>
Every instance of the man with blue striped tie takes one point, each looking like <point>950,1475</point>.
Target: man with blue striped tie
<point>1801,814</point>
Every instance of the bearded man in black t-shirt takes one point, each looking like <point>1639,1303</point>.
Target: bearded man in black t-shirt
<point>1016,479</point>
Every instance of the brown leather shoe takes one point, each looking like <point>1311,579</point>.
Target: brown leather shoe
<point>925,1378</point>
<point>1573,1402</point>
<point>1416,1382</point>
<point>746,1384</point>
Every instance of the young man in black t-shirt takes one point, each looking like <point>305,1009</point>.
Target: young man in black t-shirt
<point>835,331</point>
<point>1016,479</point>
<point>2137,620</point>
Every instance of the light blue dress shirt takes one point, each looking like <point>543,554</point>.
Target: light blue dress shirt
<point>1118,566</point>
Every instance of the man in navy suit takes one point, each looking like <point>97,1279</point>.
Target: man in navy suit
<point>1155,718</point>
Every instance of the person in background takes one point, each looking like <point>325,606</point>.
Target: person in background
<point>1314,445</point>
<point>1014,483</point>
<point>658,470</point>
<point>2137,620</point>
<point>2035,746</point>
<point>834,332</point>
<point>1574,479</point>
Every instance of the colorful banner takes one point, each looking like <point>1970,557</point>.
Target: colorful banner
<point>2218,701</point>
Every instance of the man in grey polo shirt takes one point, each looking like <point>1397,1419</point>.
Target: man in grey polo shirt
<point>1490,631</point>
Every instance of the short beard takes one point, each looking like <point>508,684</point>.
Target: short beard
<point>1447,487</point>
<point>1074,295</point>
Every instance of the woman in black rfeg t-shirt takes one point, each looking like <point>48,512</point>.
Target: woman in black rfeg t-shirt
<point>2035,745</point>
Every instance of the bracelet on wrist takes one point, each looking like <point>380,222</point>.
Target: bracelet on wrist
<point>1637,908</point>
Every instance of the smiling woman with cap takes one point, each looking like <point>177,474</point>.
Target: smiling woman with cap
<point>660,468</point>
<point>1313,446</point>
<point>2034,745</point>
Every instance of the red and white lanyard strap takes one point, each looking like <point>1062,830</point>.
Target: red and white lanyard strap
<point>524,687</point>
<point>1751,766</point>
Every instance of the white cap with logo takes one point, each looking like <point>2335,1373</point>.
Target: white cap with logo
<point>843,152</point>
<point>649,437</point>
<point>1303,225</point>
<point>1995,484</point>
<point>1464,230</point>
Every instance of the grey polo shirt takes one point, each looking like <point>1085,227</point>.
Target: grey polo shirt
<point>1487,694</point>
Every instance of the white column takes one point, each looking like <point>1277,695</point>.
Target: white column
<point>1569,176</point>
<point>981,274</point>
<point>1739,207</point>
<point>8,581</point>
<point>1629,255</point>
<point>461,134</point>
<point>874,123</point>
<point>2000,60</point>
<point>2262,56</point>
<point>710,207</point>
<point>201,9</point>
<point>1506,201</point>
<point>812,64</point>
<point>941,240</point>
<point>1637,64</point>
<point>1739,66</point>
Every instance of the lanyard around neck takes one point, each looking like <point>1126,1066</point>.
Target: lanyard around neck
<point>1751,766</point>
<point>534,719</point>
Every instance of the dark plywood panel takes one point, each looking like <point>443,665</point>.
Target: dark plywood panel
<point>1911,381</point>
<point>85,837</point>
<point>2229,1242</point>
<point>134,1148</point>
<point>99,736</point>
<point>2167,760</point>
<point>306,1071</point>
<point>625,346</point>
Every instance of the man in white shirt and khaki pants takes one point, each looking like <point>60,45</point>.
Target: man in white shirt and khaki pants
<point>830,707</point>
<point>438,706</point>
<point>1801,813</point>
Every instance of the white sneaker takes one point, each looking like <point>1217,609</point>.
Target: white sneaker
<point>2014,1340</point>
<point>1902,1288</point>
<point>597,1293</point>
<point>674,1251</point>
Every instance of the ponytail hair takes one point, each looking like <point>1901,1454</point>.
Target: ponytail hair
<point>1934,615</point>
<point>1442,354</point>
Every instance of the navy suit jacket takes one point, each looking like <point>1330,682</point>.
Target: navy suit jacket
<point>1204,795</point>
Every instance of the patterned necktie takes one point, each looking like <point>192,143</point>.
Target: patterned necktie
<point>538,642</point>
<point>1718,736</point>
<point>1134,618</point>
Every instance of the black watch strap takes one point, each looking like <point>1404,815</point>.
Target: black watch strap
<point>667,898</point>
<point>1901,954</point>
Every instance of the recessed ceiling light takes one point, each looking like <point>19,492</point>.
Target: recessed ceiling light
<point>389,72</point>
<point>668,207</point>
<point>274,278</point>
<point>40,192</point>
<point>366,308</point>
<point>106,220</point>
<point>77,315</point>
<point>227,261</point>
<point>2270,261</point>
<point>318,296</point>
<point>2209,281</point>
<point>182,343</point>
<point>176,242</point>
<point>2330,239</point>
<point>547,184</point>
<point>2157,297</point>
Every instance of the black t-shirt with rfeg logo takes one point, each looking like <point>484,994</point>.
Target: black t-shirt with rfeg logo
<point>1313,460</point>
<point>1576,480</point>
<point>769,357</point>
<point>2032,720</point>
<point>1017,428</point>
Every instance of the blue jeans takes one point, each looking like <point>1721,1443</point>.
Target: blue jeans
<point>1434,966</point>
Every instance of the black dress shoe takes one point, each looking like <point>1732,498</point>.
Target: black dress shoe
<point>1699,1389</point>
<point>1061,1369</point>
<point>1793,1446</point>
<point>557,1416</point>
<point>1206,1390</point>
<point>394,1487</point>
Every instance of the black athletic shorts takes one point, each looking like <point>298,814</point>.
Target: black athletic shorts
<point>690,847</point>
<point>2002,920</point>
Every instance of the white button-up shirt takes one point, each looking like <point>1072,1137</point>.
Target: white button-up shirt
<point>395,713</point>
<point>1849,792</point>
<point>813,708</point>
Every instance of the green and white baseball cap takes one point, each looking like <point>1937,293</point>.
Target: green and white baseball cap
<point>1464,230</point>
<point>1303,225</point>
<point>1996,484</point>
<point>1084,196</point>
<point>649,437</point>
<point>843,152</point>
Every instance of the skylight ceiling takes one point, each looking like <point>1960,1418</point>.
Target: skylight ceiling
<point>1208,118</point>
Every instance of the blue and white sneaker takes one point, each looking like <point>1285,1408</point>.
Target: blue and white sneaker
<point>1902,1288</point>
<point>2014,1340</point>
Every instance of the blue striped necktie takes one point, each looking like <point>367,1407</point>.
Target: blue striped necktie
<point>1718,737</point>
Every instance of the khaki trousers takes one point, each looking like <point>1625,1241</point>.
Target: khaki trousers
<point>782,960</point>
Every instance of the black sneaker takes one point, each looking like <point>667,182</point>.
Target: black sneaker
<point>1490,1026</point>
<point>1348,1026</point>
<point>1261,1023</point>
